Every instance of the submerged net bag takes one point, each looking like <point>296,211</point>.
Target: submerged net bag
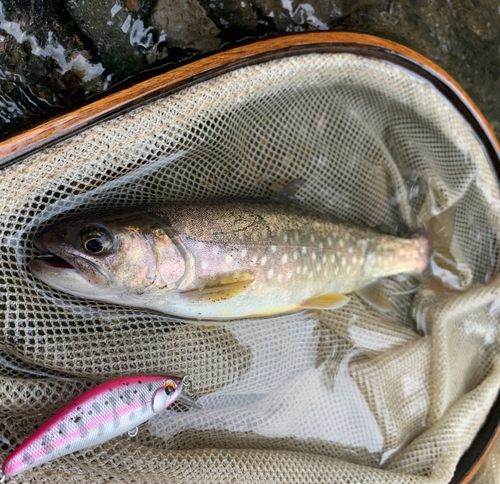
<point>350,395</point>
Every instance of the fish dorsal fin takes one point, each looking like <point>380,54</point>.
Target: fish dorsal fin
<point>288,193</point>
<point>375,295</point>
<point>330,300</point>
<point>222,287</point>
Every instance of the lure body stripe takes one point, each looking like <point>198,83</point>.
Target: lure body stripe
<point>104,412</point>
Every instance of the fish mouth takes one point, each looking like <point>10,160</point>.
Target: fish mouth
<point>53,261</point>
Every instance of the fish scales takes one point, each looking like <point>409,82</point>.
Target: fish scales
<point>225,260</point>
<point>282,244</point>
<point>108,410</point>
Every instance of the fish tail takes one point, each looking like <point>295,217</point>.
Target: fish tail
<point>443,251</point>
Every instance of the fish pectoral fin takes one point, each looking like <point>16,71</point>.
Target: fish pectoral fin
<point>288,193</point>
<point>330,300</point>
<point>375,295</point>
<point>223,287</point>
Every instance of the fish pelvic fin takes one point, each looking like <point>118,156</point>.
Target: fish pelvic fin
<point>221,288</point>
<point>329,300</point>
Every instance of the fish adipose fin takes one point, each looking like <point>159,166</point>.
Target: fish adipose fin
<point>288,194</point>
<point>224,287</point>
<point>375,295</point>
<point>330,300</point>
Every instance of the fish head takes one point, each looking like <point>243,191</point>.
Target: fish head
<point>113,258</point>
<point>167,394</point>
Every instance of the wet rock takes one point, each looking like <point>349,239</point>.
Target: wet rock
<point>119,36</point>
<point>44,65</point>
<point>461,37</point>
<point>184,24</point>
<point>52,50</point>
<point>237,18</point>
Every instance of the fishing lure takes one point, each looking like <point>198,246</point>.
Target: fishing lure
<point>108,410</point>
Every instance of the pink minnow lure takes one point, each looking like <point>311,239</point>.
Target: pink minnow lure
<point>108,410</point>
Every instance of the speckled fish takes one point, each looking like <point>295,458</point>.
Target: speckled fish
<point>108,410</point>
<point>220,260</point>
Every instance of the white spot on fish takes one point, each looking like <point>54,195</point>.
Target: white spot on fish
<point>323,259</point>
<point>304,250</point>
<point>344,261</point>
<point>329,240</point>
<point>370,262</point>
<point>349,250</point>
<point>325,273</point>
<point>310,275</point>
<point>298,269</point>
<point>270,273</point>
<point>255,236</point>
<point>289,274</point>
<point>295,255</point>
<point>263,261</point>
<point>318,268</point>
<point>332,257</point>
<point>312,238</point>
<point>284,259</point>
<point>341,243</point>
<point>336,271</point>
<point>320,245</point>
<point>354,260</point>
<point>273,249</point>
<point>264,234</point>
<point>313,256</point>
<point>285,238</point>
<point>279,277</point>
<point>304,270</point>
<point>244,253</point>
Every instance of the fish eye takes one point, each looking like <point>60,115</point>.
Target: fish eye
<point>97,240</point>
<point>169,387</point>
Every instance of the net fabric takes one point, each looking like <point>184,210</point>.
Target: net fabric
<point>346,395</point>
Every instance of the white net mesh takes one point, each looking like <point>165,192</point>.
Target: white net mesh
<point>351,395</point>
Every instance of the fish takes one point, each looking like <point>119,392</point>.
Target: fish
<point>106,411</point>
<point>222,260</point>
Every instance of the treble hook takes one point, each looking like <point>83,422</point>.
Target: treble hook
<point>188,397</point>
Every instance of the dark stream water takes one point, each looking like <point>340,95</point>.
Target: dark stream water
<point>55,54</point>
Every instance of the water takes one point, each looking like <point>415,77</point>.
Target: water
<point>55,55</point>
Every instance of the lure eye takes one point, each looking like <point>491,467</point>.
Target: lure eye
<point>97,240</point>
<point>170,387</point>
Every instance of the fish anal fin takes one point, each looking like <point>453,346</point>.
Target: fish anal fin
<point>375,295</point>
<point>288,193</point>
<point>329,300</point>
<point>220,288</point>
